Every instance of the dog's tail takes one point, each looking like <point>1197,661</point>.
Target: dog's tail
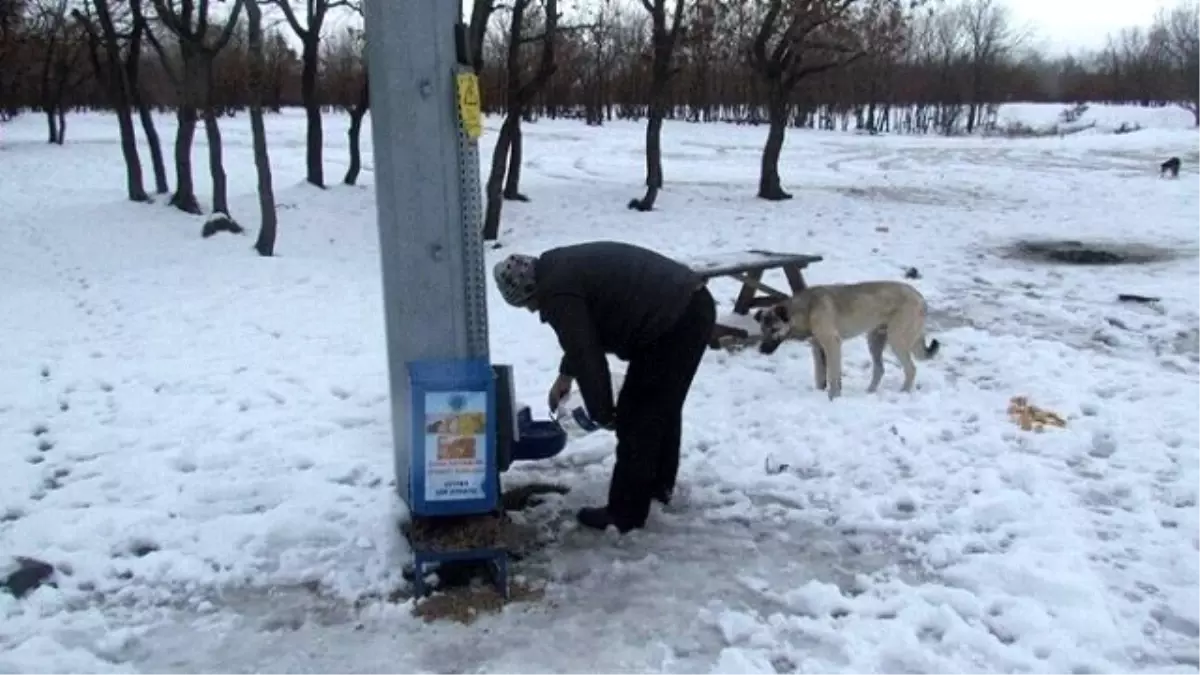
<point>925,352</point>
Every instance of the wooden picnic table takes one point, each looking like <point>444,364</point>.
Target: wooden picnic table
<point>748,268</point>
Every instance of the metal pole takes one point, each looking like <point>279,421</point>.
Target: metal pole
<point>427,199</point>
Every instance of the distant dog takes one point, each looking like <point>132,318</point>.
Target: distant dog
<point>1170,166</point>
<point>890,313</point>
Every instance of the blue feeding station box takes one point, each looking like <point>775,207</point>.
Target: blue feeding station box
<point>453,465</point>
<point>466,430</point>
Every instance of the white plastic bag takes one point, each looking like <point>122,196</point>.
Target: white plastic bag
<point>572,415</point>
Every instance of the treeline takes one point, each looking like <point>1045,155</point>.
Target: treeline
<point>897,66</point>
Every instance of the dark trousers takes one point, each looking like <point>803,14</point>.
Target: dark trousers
<point>650,413</point>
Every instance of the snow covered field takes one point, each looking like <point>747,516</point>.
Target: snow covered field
<point>199,438</point>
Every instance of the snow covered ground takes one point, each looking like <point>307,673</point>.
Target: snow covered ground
<point>199,438</point>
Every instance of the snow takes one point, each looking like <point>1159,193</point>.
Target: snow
<point>200,438</point>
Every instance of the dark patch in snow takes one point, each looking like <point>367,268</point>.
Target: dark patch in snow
<point>11,514</point>
<point>29,575</point>
<point>1073,252</point>
<point>220,222</point>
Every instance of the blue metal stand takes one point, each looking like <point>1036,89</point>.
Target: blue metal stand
<point>496,559</point>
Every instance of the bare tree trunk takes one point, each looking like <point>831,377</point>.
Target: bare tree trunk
<point>216,163</point>
<point>156,154</point>
<point>61,114</point>
<point>212,133</point>
<point>357,113</point>
<point>314,134</point>
<point>133,79</point>
<point>51,126</point>
<point>134,185</point>
<point>495,181</point>
<point>512,182</point>
<point>654,172</point>
<point>265,244</point>
<point>769,185</point>
<point>662,37</point>
<point>184,198</point>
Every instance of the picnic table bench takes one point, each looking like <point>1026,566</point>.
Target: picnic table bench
<point>748,267</point>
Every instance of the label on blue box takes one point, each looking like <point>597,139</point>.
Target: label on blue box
<point>455,445</point>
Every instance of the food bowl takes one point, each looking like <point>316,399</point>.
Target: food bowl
<point>539,439</point>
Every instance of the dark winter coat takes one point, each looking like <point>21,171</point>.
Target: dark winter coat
<point>608,298</point>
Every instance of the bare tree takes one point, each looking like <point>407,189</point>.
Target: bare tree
<point>188,21</point>
<point>885,32</point>
<point>118,86</point>
<point>1178,33</point>
<point>949,52</point>
<point>62,57</point>
<point>130,86</point>
<point>506,156</point>
<point>796,39</point>
<point>315,13</point>
<point>943,77</point>
<point>345,71</point>
<point>664,35</point>
<point>133,69</point>
<point>265,244</point>
<point>12,18</point>
<point>990,38</point>
<point>599,51</point>
<point>700,47</point>
<point>357,112</point>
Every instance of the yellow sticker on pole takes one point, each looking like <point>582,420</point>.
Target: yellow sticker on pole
<point>469,110</point>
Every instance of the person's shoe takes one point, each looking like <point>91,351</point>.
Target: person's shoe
<point>599,518</point>
<point>595,517</point>
<point>663,496</point>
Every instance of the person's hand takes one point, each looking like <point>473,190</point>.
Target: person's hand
<point>558,391</point>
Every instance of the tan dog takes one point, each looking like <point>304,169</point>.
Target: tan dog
<point>890,313</point>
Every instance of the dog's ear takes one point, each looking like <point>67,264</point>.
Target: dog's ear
<point>758,315</point>
<point>783,311</point>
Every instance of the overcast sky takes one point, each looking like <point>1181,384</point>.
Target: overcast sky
<point>1081,24</point>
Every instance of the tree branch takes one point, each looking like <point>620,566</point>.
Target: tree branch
<point>290,15</point>
<point>172,73</point>
<point>230,26</point>
<point>677,20</point>
<point>793,78</point>
<point>758,51</point>
<point>168,17</point>
<point>546,65</point>
<point>202,22</point>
